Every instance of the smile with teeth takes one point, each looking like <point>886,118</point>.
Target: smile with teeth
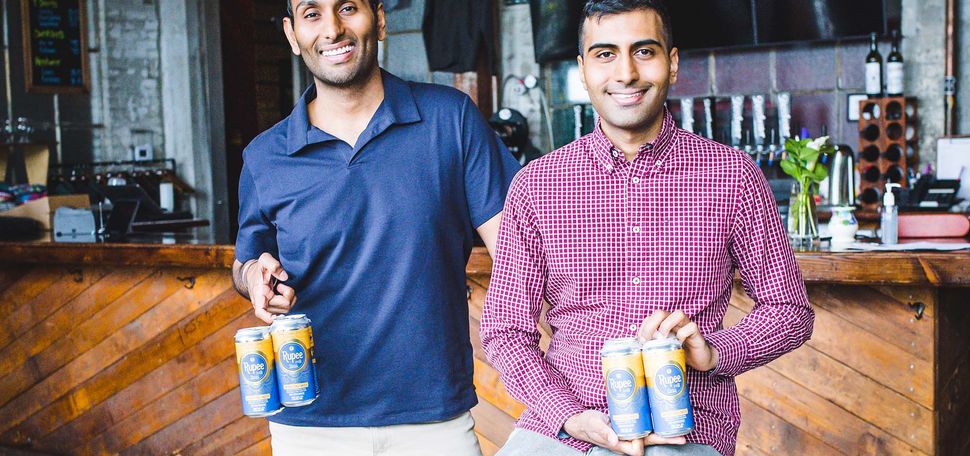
<point>338,51</point>
<point>627,96</point>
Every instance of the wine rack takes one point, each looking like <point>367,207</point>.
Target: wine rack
<point>888,141</point>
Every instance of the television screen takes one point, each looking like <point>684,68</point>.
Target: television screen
<point>709,24</point>
<point>781,21</point>
<point>700,24</point>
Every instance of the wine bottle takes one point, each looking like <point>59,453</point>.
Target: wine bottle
<point>874,68</point>
<point>894,69</point>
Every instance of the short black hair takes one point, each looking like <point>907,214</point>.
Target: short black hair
<point>289,7</point>
<point>599,8</point>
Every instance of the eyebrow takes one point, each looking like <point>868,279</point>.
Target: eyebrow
<point>638,44</point>
<point>306,3</point>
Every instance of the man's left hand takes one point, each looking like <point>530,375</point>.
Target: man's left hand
<point>700,355</point>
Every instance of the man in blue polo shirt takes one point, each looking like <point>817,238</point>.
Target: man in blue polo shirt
<point>364,204</point>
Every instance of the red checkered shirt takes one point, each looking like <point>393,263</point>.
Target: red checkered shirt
<point>607,242</point>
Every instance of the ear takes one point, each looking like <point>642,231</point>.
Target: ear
<point>674,65</point>
<point>291,35</point>
<point>582,73</point>
<point>381,22</point>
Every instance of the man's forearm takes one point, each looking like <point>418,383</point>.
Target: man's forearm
<point>239,277</point>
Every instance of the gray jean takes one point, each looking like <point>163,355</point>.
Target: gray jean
<point>528,443</point>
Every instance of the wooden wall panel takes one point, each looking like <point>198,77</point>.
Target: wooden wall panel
<point>133,361</point>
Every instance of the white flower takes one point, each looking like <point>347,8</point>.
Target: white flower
<point>817,144</point>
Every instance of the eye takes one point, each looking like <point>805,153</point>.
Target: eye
<point>311,15</point>
<point>346,9</point>
<point>646,52</point>
<point>604,55</point>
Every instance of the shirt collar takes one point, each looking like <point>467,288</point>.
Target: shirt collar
<point>657,153</point>
<point>398,107</point>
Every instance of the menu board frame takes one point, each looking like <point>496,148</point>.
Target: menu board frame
<point>27,8</point>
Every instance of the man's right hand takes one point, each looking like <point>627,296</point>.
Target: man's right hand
<point>267,302</point>
<point>594,427</point>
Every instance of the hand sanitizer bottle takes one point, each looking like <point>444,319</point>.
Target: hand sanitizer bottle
<point>889,220</point>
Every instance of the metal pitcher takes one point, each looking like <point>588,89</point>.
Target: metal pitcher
<point>842,190</point>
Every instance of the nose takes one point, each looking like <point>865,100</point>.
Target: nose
<point>331,28</point>
<point>626,70</point>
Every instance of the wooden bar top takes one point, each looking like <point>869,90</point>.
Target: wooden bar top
<point>937,269</point>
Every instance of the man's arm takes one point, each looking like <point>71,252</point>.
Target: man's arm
<point>513,303</point>
<point>782,318</point>
<point>489,233</point>
<point>254,268</point>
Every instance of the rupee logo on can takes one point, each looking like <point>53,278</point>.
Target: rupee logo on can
<point>670,407</point>
<point>626,394</point>
<point>257,377</point>
<point>292,340</point>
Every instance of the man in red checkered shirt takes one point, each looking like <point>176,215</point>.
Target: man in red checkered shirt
<point>636,228</point>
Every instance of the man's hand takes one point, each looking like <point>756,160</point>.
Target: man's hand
<point>700,355</point>
<point>259,278</point>
<point>594,427</point>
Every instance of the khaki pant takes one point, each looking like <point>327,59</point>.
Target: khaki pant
<point>454,437</point>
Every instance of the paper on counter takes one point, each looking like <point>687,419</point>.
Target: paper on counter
<point>938,246</point>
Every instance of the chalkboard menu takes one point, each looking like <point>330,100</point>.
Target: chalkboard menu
<point>55,48</point>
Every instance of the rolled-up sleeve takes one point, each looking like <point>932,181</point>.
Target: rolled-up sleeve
<point>782,318</point>
<point>513,303</point>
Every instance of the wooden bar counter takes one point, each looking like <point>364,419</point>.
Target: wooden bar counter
<point>127,348</point>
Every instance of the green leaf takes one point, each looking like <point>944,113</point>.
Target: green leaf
<point>791,169</point>
<point>820,173</point>
<point>809,156</point>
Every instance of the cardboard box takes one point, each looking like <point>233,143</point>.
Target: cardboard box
<point>43,209</point>
<point>36,156</point>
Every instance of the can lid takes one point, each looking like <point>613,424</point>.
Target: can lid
<point>290,321</point>
<point>667,343</point>
<point>621,346</point>
<point>251,334</point>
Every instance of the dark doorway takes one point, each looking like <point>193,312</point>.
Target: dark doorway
<point>258,80</point>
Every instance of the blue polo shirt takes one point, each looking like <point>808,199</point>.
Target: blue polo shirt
<point>375,239</point>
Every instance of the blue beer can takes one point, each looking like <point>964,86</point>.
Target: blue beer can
<point>295,364</point>
<point>665,366</point>
<point>626,392</point>
<point>257,372</point>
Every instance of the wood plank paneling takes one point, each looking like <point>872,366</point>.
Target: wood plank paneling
<point>60,323</point>
<point>149,388</point>
<point>873,402</point>
<point>116,347</point>
<point>48,302</point>
<point>867,353</point>
<point>885,316</point>
<point>263,448</point>
<point>90,331</point>
<point>762,432</point>
<point>235,437</point>
<point>817,416</point>
<point>139,362</point>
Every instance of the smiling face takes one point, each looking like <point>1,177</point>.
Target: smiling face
<point>337,39</point>
<point>626,69</point>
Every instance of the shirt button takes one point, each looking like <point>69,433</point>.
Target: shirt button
<point>636,281</point>
<point>636,229</point>
<point>615,153</point>
<point>633,328</point>
<point>609,167</point>
<point>635,180</point>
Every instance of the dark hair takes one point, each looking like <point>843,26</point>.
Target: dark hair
<point>289,7</point>
<point>599,8</point>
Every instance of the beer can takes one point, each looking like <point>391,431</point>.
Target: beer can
<point>257,372</point>
<point>626,393</point>
<point>295,364</point>
<point>666,370</point>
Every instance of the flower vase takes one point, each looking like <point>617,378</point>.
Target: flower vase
<point>802,217</point>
